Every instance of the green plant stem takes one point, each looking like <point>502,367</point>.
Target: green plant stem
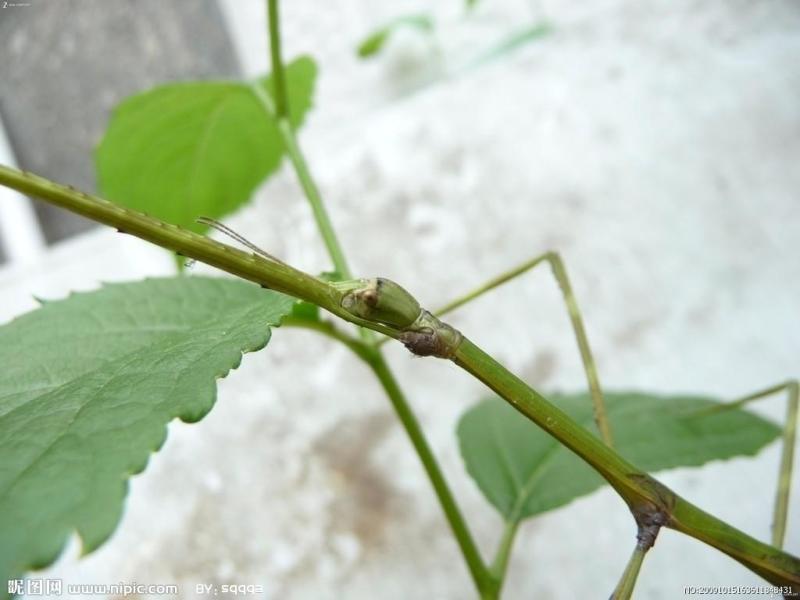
<point>477,568</point>
<point>307,183</point>
<point>281,112</point>
<point>641,492</point>
<point>314,199</point>
<point>273,22</point>
<point>376,362</point>
<point>367,351</point>
<point>624,589</point>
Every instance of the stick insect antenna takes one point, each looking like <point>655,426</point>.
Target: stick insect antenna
<point>238,237</point>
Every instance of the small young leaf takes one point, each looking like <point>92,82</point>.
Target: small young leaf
<point>88,386</point>
<point>374,42</point>
<point>523,471</point>
<point>185,150</point>
<point>510,43</point>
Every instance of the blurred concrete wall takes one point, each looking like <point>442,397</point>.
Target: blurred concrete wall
<point>66,63</point>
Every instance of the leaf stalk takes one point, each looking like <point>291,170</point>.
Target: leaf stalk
<point>280,111</point>
<point>624,589</point>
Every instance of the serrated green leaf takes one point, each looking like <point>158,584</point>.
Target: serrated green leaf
<point>522,471</point>
<point>88,386</point>
<point>185,150</point>
<point>375,41</point>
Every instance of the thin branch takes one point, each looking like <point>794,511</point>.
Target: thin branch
<point>503,553</point>
<point>372,357</point>
<point>624,589</point>
<point>278,76</point>
<point>280,110</point>
<point>376,361</point>
<point>477,568</point>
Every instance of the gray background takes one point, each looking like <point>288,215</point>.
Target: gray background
<point>66,63</point>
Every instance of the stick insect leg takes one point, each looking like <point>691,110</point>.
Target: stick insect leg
<point>560,274</point>
<point>781,510</point>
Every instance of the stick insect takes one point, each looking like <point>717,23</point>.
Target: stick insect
<point>791,387</point>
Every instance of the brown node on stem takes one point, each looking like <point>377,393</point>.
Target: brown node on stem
<point>648,524</point>
<point>651,515</point>
<point>424,343</point>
